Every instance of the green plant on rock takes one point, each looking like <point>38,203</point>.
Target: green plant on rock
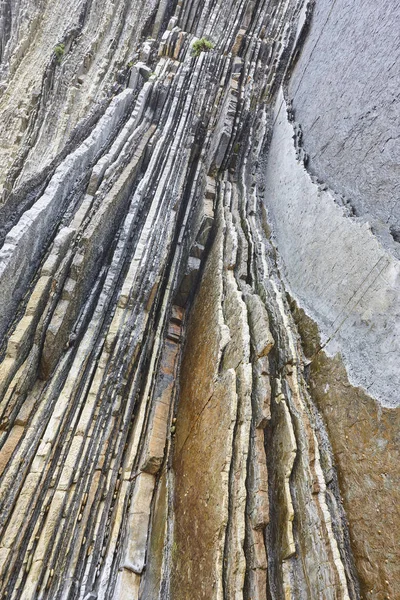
<point>59,53</point>
<point>202,45</point>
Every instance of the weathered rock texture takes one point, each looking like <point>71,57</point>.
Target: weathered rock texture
<point>350,121</point>
<point>191,323</point>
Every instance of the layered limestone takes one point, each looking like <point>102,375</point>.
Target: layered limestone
<point>165,430</point>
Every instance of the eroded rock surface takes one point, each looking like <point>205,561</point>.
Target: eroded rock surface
<point>350,121</point>
<point>169,425</point>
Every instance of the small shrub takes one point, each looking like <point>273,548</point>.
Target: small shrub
<point>59,53</point>
<point>202,45</point>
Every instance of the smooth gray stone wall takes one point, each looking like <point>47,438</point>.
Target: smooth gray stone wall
<point>346,97</point>
<point>336,269</point>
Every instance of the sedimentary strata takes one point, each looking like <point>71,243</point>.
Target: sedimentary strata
<point>163,426</point>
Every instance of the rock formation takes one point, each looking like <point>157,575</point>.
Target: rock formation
<point>199,284</point>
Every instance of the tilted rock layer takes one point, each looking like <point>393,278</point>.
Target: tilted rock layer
<point>198,376</point>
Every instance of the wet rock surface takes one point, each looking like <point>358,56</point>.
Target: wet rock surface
<point>162,434</point>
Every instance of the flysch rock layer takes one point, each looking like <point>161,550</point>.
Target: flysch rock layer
<point>162,434</point>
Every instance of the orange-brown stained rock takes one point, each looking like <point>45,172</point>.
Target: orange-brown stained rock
<point>203,447</point>
<point>365,439</point>
<point>199,369</point>
<point>153,453</point>
<point>201,498</point>
<point>10,445</point>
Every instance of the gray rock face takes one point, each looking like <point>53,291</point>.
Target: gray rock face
<point>336,268</point>
<point>350,120</point>
<point>159,432</point>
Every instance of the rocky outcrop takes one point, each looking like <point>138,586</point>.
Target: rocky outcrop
<point>172,421</point>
